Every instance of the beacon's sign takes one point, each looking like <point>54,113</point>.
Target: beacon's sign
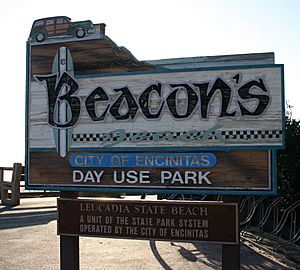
<point>197,96</point>
<point>187,108</point>
<point>98,118</point>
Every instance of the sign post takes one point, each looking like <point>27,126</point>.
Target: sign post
<point>99,120</point>
<point>69,244</point>
<point>231,254</point>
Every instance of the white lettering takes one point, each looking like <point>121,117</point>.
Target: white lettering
<point>131,177</point>
<point>92,176</point>
<point>177,178</point>
<point>98,175</point>
<point>144,177</point>
<point>187,177</point>
<point>204,178</point>
<point>190,176</point>
<point>165,175</point>
<point>77,176</point>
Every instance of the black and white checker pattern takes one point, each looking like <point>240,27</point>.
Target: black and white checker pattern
<point>227,135</point>
<point>251,134</point>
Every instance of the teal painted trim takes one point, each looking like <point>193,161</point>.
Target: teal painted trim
<point>176,149</point>
<point>43,150</point>
<point>179,70</point>
<point>283,107</point>
<point>274,172</point>
<point>153,191</point>
<point>158,149</point>
<point>161,68</point>
<point>27,114</point>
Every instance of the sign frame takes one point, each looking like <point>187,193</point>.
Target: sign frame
<point>272,149</point>
<point>139,189</point>
<point>214,146</point>
<point>137,203</point>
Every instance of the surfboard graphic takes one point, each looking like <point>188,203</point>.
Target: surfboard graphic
<point>63,137</point>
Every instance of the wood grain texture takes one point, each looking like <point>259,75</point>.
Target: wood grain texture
<point>269,120</point>
<point>245,170</point>
<point>89,57</point>
<point>234,169</point>
<point>215,61</point>
<point>159,218</point>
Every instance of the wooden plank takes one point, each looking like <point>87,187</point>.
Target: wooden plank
<point>242,170</point>
<point>167,221</point>
<point>181,124</point>
<point>231,254</point>
<point>69,245</point>
<point>215,61</point>
<point>263,129</point>
<point>89,57</point>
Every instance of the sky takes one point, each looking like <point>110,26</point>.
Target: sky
<point>156,29</point>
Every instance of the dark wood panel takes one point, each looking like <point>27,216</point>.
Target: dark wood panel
<point>89,57</point>
<point>181,221</point>
<point>234,169</point>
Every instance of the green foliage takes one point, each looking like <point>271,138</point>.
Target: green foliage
<point>288,166</point>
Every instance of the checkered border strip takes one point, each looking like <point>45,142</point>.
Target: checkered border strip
<point>228,135</point>
<point>252,134</point>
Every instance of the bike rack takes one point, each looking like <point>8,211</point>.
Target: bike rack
<point>292,241</point>
<point>287,212</point>
<point>256,204</point>
<point>283,220</point>
<point>264,217</point>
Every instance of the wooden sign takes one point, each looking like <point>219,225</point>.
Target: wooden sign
<point>157,220</point>
<point>221,172</point>
<point>174,109</point>
<point>91,105</point>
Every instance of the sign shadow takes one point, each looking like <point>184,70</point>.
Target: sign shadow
<point>23,217</point>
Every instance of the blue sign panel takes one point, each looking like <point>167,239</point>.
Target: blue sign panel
<point>143,160</point>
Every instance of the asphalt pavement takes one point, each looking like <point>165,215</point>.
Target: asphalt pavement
<point>29,240</point>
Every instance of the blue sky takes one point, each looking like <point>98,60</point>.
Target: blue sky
<point>153,29</point>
